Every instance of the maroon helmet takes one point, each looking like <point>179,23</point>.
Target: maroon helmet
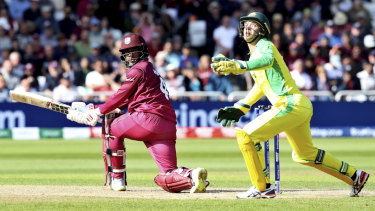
<point>133,49</point>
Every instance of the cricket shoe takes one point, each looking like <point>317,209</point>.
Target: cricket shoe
<point>118,184</point>
<point>254,193</point>
<point>198,178</point>
<point>359,182</point>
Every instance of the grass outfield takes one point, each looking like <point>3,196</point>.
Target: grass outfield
<point>54,164</point>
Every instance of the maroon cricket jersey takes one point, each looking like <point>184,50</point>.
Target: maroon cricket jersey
<point>144,91</point>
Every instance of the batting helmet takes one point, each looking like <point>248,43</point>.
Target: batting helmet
<point>134,47</point>
<point>260,19</point>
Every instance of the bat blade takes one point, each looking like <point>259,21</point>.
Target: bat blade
<point>38,100</point>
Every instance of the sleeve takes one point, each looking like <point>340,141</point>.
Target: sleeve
<point>262,58</point>
<point>252,97</point>
<point>120,98</point>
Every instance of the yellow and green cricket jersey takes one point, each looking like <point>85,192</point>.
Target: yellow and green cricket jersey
<point>273,79</point>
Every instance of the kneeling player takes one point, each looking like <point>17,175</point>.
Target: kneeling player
<point>150,119</point>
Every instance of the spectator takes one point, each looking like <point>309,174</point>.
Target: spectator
<point>96,79</point>
<point>335,71</point>
<point>33,12</point>
<point>161,63</point>
<point>357,34</point>
<point>25,85</point>
<point>84,66</point>
<point>146,26</point>
<point>212,19</point>
<point>48,37</point>
<point>171,56</point>
<point>204,68</point>
<point>288,34</point>
<point>277,24</point>
<point>62,48</point>
<point>116,34</point>
<point>96,34</point>
<point>302,79</point>
<point>15,61</point>
<point>132,18</point>
<point>29,72</point>
<point>371,58</point>
<point>174,82</point>
<point>5,41</point>
<point>293,55</point>
<point>4,91</point>
<point>358,11</point>
<point>83,46</point>
<point>37,47</point>
<point>68,24</point>
<point>221,84</point>
<point>11,79</point>
<point>329,32</point>
<point>65,91</point>
<point>4,54</point>
<point>45,19</point>
<point>23,36</point>
<point>187,58</point>
<point>224,37</point>
<point>95,52</point>
<point>192,82</point>
<point>367,77</point>
<point>346,47</point>
<point>341,21</point>
<point>307,21</point>
<point>7,22</point>
<point>52,78</point>
<point>17,8</point>
<point>322,83</point>
<point>155,44</point>
<point>30,57</point>
<point>77,31</point>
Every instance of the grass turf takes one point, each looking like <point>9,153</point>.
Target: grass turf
<point>79,163</point>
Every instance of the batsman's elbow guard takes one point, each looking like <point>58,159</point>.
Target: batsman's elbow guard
<point>244,107</point>
<point>173,182</point>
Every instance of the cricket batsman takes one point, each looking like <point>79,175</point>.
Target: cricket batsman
<point>150,119</point>
<point>291,113</point>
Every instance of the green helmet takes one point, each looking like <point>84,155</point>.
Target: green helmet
<point>259,18</point>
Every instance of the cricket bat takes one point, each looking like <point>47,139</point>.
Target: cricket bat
<point>40,101</point>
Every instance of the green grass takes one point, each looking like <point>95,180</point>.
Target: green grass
<point>80,163</point>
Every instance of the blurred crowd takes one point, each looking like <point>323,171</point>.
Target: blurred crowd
<point>68,49</point>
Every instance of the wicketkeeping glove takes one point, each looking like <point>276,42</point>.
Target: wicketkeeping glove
<point>228,116</point>
<point>225,66</point>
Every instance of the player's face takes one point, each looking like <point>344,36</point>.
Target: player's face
<point>130,58</point>
<point>251,30</point>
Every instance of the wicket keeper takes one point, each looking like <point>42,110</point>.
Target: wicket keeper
<point>291,113</point>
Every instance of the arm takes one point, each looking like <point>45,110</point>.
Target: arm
<point>126,90</point>
<point>261,59</point>
<point>229,115</point>
<point>252,97</point>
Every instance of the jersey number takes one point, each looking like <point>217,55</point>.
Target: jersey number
<point>163,87</point>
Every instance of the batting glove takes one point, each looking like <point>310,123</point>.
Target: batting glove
<point>225,66</point>
<point>228,116</point>
<point>89,117</point>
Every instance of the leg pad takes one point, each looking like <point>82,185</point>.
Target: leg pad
<point>251,158</point>
<point>173,182</point>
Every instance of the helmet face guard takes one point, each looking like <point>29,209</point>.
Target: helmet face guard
<point>132,56</point>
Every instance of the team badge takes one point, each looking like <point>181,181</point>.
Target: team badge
<point>252,14</point>
<point>127,40</point>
